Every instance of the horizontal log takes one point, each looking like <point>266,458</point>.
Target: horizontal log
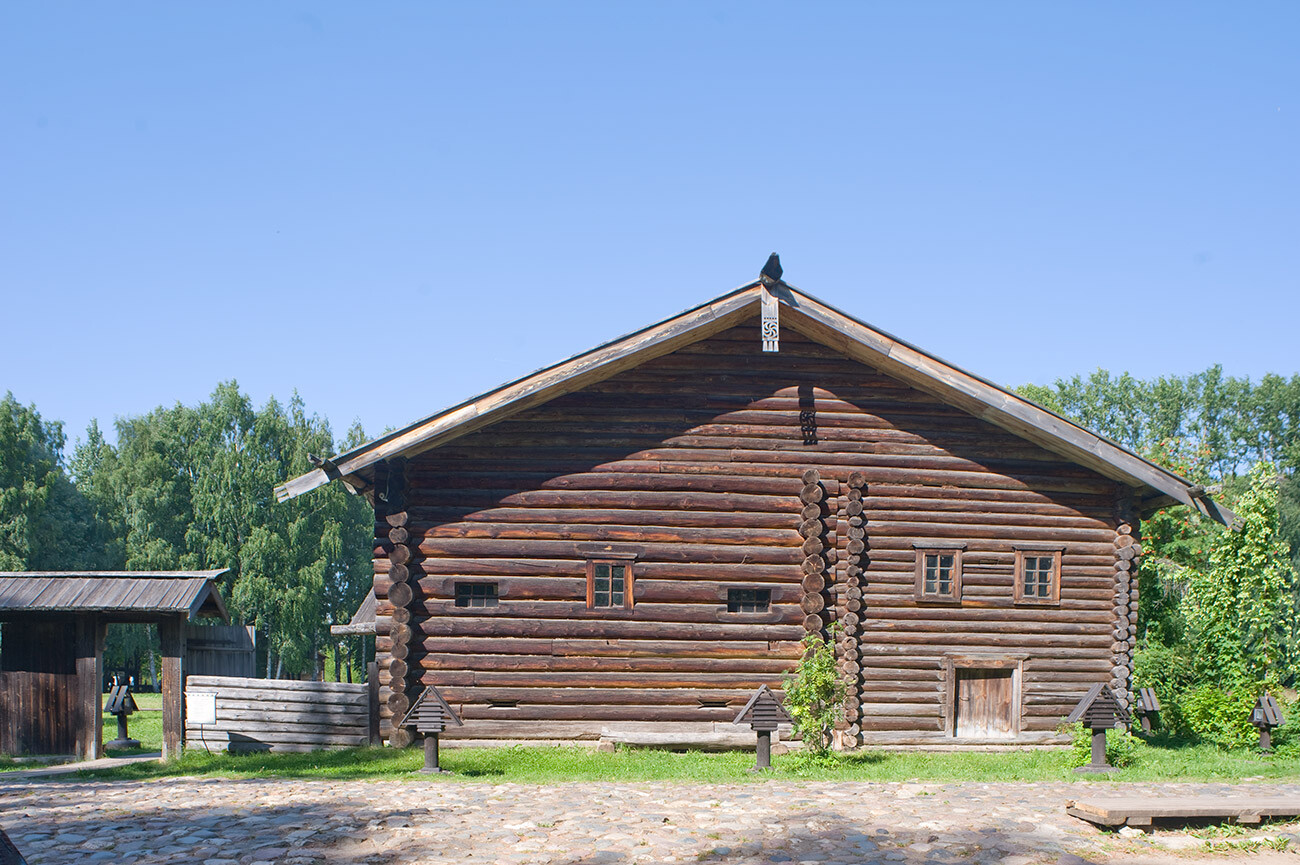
<point>609,629</point>
<point>272,737</point>
<point>575,531</point>
<point>435,590</point>
<point>577,696</point>
<point>576,611</point>
<point>444,662</point>
<point>662,552</point>
<point>204,683</point>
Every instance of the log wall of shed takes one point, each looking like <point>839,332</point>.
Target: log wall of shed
<point>693,463</point>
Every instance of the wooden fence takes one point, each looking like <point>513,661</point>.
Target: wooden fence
<point>278,715</point>
<point>220,650</point>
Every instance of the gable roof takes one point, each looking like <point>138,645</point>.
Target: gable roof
<point>818,321</point>
<point>130,594</point>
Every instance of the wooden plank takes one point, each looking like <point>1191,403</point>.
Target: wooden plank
<point>90,664</point>
<point>171,636</point>
<point>1116,811</point>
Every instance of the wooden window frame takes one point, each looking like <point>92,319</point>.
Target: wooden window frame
<point>727,601</point>
<point>1056,551</point>
<point>627,563</point>
<point>455,590</point>
<point>924,549</point>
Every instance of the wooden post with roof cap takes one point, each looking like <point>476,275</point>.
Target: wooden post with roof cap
<point>764,714</point>
<point>1099,710</point>
<point>430,715</point>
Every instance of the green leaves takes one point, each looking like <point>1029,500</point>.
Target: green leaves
<point>1240,610</point>
<point>814,696</point>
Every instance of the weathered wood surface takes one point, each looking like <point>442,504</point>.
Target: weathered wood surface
<point>38,688</point>
<point>280,715</point>
<point>1141,811</point>
<point>220,650</point>
<point>171,638</point>
<point>696,463</point>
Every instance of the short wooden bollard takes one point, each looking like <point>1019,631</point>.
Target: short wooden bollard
<point>430,716</point>
<point>1099,710</point>
<point>764,714</point>
<point>120,704</point>
<point>1147,707</point>
<point>1265,716</point>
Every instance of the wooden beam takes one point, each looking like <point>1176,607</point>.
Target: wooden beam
<point>171,634</point>
<point>90,668</point>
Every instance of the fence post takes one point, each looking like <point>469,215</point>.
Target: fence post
<point>372,684</point>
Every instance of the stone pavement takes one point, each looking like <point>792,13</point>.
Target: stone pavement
<point>240,822</point>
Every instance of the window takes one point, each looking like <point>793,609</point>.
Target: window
<point>609,585</point>
<point>1038,575</point>
<point>938,573</point>
<point>476,594</point>
<point>748,600</point>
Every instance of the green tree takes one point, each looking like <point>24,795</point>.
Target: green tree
<point>45,524</point>
<point>1240,610</point>
<point>191,487</point>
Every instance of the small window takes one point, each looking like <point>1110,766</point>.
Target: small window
<point>1038,576</point>
<point>748,600</point>
<point>609,585</point>
<point>938,574</point>
<point>476,594</point>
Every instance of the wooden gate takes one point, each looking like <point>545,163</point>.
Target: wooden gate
<point>985,703</point>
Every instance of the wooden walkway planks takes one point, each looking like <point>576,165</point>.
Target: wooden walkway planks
<point>1140,811</point>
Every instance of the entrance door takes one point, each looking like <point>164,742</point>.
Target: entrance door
<point>985,704</point>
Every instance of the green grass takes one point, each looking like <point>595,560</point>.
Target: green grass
<point>548,765</point>
<point>145,726</point>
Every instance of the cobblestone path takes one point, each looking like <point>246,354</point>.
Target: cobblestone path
<point>225,822</point>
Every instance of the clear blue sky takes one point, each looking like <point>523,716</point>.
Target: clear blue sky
<point>392,207</point>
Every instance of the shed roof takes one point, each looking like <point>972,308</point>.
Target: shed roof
<point>134,595</point>
<point>1155,485</point>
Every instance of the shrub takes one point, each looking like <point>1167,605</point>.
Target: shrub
<point>814,696</point>
<point>1121,746</point>
<point>1220,717</point>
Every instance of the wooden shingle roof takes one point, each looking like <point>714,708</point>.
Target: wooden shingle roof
<point>1155,485</point>
<point>131,594</point>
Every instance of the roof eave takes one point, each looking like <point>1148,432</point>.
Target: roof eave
<point>542,386</point>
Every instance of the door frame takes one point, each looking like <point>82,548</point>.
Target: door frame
<point>952,662</point>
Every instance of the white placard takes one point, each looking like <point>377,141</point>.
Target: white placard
<point>200,707</point>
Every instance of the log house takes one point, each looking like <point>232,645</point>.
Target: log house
<point>640,536</point>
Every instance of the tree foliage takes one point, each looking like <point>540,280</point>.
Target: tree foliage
<point>45,524</point>
<point>814,695</point>
<point>191,488</point>
<point>1217,607</point>
<point>1240,609</point>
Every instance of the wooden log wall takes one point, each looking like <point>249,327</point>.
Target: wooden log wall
<point>279,715</point>
<point>854,561</point>
<point>1128,553</point>
<point>717,467</point>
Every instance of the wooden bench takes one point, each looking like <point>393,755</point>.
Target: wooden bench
<point>1140,811</point>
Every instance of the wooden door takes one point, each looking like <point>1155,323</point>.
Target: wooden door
<point>985,704</point>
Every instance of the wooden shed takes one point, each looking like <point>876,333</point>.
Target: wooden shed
<point>642,535</point>
<point>52,627</point>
